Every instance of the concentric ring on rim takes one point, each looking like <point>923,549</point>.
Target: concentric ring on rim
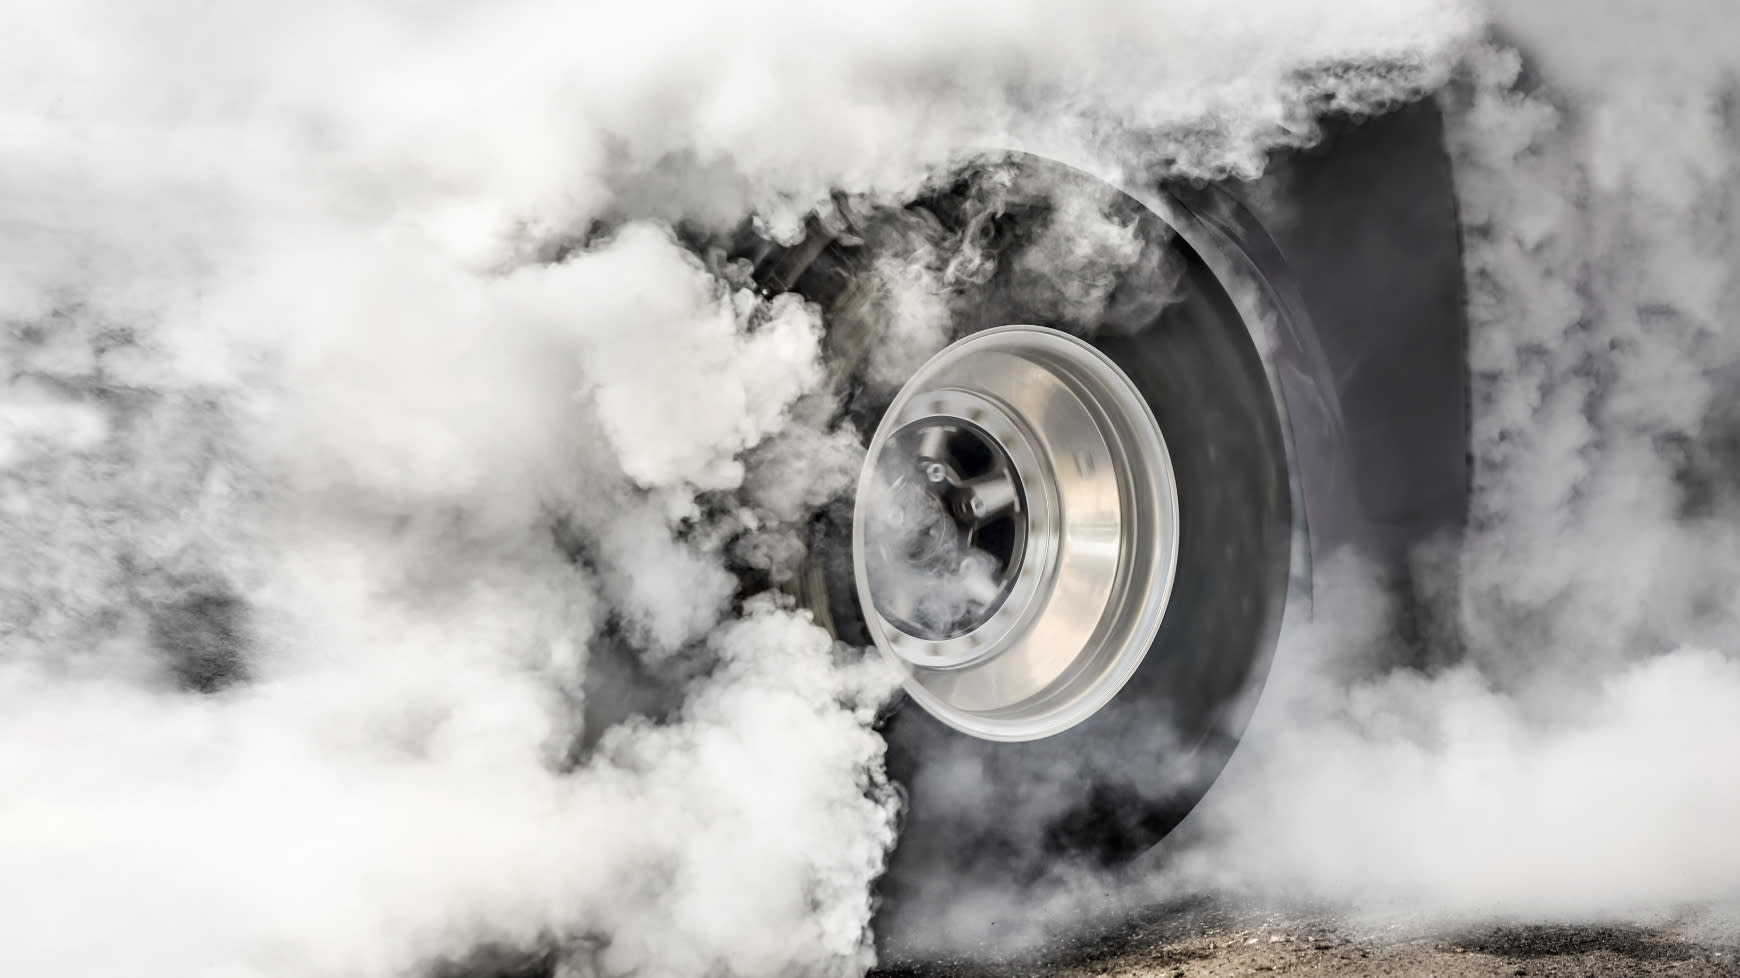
<point>1101,533</point>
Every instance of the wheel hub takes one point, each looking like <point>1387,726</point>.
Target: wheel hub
<point>950,534</point>
<point>1015,533</point>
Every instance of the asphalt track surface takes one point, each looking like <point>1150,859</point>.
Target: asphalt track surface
<point>1210,941</point>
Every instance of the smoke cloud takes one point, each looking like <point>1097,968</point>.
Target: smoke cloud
<point>1574,766</point>
<point>382,464</point>
<point>380,459</point>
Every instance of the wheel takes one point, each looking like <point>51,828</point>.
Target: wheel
<point>1072,536</point>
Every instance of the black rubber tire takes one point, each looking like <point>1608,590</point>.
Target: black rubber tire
<point>986,821</point>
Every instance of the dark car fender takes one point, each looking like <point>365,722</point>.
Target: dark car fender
<point>1356,243</point>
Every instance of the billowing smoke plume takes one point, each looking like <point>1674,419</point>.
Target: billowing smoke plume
<point>381,464</point>
<point>1579,763</point>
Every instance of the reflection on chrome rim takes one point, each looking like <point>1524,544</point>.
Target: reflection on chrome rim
<point>1015,534</point>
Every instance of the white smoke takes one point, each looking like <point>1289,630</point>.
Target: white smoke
<point>328,493</point>
<point>1578,765</point>
<point>293,669</point>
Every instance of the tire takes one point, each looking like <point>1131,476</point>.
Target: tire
<point>984,816</point>
<point>986,821</point>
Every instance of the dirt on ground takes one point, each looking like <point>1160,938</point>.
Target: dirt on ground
<point>1197,943</point>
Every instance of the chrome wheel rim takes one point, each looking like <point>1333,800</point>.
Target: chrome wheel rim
<point>1015,533</point>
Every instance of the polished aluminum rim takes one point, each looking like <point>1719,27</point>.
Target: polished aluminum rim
<point>1015,534</point>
